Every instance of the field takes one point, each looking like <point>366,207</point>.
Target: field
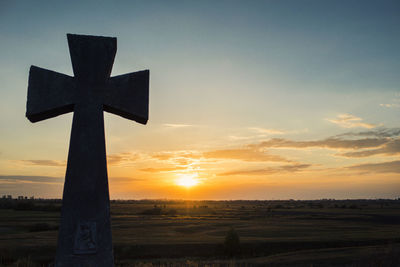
<point>192,233</point>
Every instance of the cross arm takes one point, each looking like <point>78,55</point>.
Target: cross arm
<point>128,96</point>
<point>49,94</point>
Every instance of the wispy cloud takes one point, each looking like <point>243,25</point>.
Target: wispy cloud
<point>269,170</point>
<point>30,179</point>
<point>389,149</point>
<point>332,142</point>
<point>174,156</point>
<point>382,141</point>
<point>395,103</point>
<point>167,169</point>
<point>174,125</point>
<point>244,154</point>
<point>383,167</point>
<point>247,153</point>
<point>262,133</point>
<point>42,162</point>
<point>379,132</point>
<point>240,138</point>
<point>173,161</point>
<point>163,155</point>
<point>351,121</point>
<point>125,179</point>
<point>391,105</point>
<point>113,159</point>
<point>122,158</point>
<point>266,131</point>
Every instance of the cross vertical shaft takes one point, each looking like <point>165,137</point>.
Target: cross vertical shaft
<point>86,196</point>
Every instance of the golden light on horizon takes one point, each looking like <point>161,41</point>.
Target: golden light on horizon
<point>187,180</point>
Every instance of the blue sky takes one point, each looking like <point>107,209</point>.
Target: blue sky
<point>224,75</point>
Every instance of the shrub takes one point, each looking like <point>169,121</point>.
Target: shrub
<point>232,243</point>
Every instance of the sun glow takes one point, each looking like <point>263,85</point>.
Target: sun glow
<point>187,180</point>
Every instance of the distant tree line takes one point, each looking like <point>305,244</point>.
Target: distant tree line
<point>31,204</point>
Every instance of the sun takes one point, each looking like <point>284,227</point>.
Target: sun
<point>187,180</point>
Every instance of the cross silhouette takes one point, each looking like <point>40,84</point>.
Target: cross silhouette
<point>85,233</point>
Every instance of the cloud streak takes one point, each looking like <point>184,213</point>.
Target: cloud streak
<point>245,154</point>
<point>125,179</point>
<point>122,158</point>
<point>391,148</point>
<point>175,125</point>
<point>332,142</point>
<point>30,179</point>
<point>172,155</point>
<point>113,159</point>
<point>392,105</point>
<point>268,171</point>
<point>351,121</point>
<point>384,167</point>
<point>266,131</point>
<point>167,169</point>
<point>395,102</point>
<point>380,133</point>
<point>43,162</point>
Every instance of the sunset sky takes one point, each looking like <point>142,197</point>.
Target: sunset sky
<point>248,99</point>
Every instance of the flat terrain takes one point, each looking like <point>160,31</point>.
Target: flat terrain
<point>192,233</point>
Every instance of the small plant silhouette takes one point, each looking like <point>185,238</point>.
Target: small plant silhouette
<point>232,243</point>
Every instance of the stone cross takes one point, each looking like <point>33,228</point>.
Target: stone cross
<point>85,230</point>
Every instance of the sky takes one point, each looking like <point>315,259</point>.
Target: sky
<point>290,99</point>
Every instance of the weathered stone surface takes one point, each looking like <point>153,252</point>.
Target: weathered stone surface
<point>85,228</point>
